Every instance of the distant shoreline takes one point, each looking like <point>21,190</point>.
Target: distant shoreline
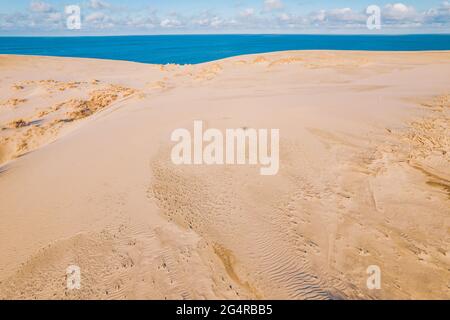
<point>195,49</point>
<point>362,52</point>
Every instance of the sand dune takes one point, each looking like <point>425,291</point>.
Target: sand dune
<point>86,178</point>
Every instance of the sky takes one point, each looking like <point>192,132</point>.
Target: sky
<point>119,17</point>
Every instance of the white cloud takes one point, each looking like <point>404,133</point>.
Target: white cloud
<point>284,17</point>
<point>15,20</point>
<point>216,22</point>
<point>98,4</point>
<point>213,22</point>
<point>101,21</point>
<point>399,11</point>
<point>95,17</point>
<point>270,5</point>
<point>440,15</point>
<point>54,17</point>
<point>145,20</point>
<point>41,7</point>
<point>319,16</point>
<point>338,17</point>
<point>170,23</point>
<point>202,22</point>
<point>247,12</point>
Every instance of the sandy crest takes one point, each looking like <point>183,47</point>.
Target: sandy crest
<point>86,178</point>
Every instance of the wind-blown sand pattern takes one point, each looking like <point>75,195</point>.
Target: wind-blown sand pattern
<point>86,178</point>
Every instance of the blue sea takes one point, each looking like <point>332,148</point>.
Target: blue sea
<point>192,49</point>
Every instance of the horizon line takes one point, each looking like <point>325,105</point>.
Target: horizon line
<point>220,34</point>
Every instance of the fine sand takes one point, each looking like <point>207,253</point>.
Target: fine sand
<point>86,178</point>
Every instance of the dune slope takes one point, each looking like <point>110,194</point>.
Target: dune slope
<point>86,178</point>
